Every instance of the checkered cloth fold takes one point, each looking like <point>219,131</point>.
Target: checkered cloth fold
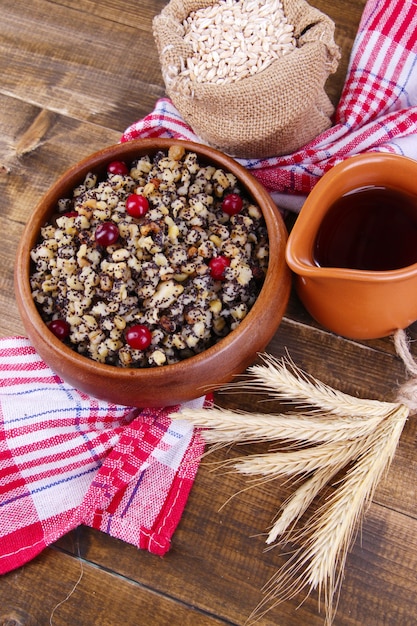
<point>68,459</point>
<point>377,110</point>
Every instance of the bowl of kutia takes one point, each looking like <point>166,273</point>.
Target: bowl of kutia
<point>172,375</point>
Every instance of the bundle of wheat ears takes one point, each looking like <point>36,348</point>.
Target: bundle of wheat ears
<point>336,432</point>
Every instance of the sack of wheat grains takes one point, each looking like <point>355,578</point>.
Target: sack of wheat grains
<point>248,75</point>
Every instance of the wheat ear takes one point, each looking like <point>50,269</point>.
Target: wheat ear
<point>284,381</point>
<point>298,462</point>
<point>297,504</point>
<point>324,542</point>
<point>339,433</point>
<point>231,426</point>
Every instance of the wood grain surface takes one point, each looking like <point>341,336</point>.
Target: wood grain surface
<point>74,75</point>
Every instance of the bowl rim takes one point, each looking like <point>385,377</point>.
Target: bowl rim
<point>94,161</point>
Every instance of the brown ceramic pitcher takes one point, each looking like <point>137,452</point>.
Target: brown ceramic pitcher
<point>353,248</point>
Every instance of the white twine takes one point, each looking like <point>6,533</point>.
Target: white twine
<point>407,393</point>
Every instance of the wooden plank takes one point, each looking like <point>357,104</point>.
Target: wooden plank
<point>103,55</point>
<point>80,65</point>
<point>10,321</point>
<point>59,590</point>
<point>38,147</point>
<point>351,366</point>
<point>218,563</point>
<point>128,12</point>
<point>380,578</point>
<point>216,567</point>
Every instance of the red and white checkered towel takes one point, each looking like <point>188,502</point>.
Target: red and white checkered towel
<point>68,459</point>
<point>377,110</point>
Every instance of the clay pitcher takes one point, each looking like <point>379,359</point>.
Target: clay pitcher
<point>353,248</point>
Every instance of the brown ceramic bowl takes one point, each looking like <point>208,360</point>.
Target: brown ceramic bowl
<point>192,377</point>
<point>365,302</point>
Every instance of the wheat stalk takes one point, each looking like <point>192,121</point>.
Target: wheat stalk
<point>320,560</point>
<point>297,504</point>
<point>284,381</point>
<point>229,426</point>
<point>297,462</point>
<point>339,432</point>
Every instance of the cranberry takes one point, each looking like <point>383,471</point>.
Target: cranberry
<point>118,167</point>
<point>136,206</point>
<point>106,234</point>
<point>60,328</point>
<point>217,267</point>
<point>138,337</point>
<point>71,214</point>
<point>232,204</point>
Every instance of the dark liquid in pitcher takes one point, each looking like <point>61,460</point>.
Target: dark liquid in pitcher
<point>372,228</point>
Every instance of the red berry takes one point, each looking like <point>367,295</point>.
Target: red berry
<point>136,206</point>
<point>138,337</point>
<point>232,204</point>
<point>118,167</point>
<point>217,267</point>
<point>60,328</point>
<point>71,214</point>
<point>106,234</point>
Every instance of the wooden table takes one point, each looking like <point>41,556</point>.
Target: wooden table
<point>74,75</point>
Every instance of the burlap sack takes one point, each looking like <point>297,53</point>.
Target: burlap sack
<point>272,113</point>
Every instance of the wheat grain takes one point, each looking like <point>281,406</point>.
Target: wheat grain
<point>255,33</point>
